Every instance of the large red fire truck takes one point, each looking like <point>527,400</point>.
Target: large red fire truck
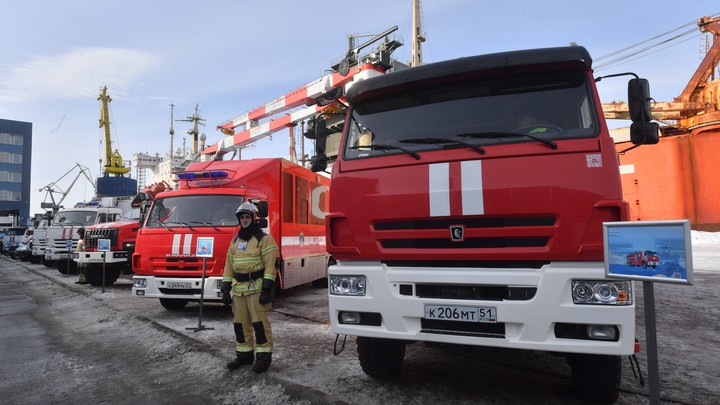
<point>292,202</point>
<point>644,258</point>
<point>484,184</point>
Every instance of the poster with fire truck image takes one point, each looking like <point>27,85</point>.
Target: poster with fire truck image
<point>658,251</point>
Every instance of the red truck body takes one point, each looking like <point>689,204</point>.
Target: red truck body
<point>165,262</point>
<point>474,229</point>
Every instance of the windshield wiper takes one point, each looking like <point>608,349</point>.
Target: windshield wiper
<point>183,224</point>
<point>499,134</point>
<point>442,141</point>
<point>206,224</point>
<point>162,224</point>
<point>385,148</point>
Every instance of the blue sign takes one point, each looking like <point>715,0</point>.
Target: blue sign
<point>103,245</point>
<point>658,251</point>
<point>204,247</point>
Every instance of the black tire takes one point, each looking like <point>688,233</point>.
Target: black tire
<point>596,378</point>
<point>47,263</point>
<point>381,358</point>
<point>34,259</point>
<point>172,304</point>
<point>94,275</point>
<point>65,267</point>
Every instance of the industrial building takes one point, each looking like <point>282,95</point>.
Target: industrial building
<point>15,162</point>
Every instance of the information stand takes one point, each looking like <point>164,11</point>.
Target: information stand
<point>652,252</point>
<point>203,249</point>
<point>104,247</point>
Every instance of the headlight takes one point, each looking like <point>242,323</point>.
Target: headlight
<point>139,283</point>
<point>347,285</point>
<point>602,292</point>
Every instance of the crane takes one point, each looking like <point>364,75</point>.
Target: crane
<point>53,188</point>
<point>351,68</point>
<point>113,160</point>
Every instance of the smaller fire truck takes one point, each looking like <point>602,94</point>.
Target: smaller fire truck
<point>52,243</point>
<point>122,235</point>
<point>645,258</point>
<point>291,201</point>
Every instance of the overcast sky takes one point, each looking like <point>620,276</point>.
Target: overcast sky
<point>233,56</point>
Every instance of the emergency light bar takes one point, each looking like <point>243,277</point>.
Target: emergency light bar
<point>213,174</point>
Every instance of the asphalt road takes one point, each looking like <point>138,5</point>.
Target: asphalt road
<point>65,343</point>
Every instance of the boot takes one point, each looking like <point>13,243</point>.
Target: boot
<point>242,359</point>
<point>81,279</point>
<point>262,362</point>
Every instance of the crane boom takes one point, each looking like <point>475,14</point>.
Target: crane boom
<point>344,75</point>
<point>113,160</point>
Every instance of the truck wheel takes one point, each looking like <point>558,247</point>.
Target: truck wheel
<point>596,378</point>
<point>94,275</point>
<point>66,268</point>
<point>34,259</point>
<point>380,358</point>
<point>173,305</point>
<point>47,263</point>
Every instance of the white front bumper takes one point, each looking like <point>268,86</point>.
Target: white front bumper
<point>166,287</point>
<point>528,324</point>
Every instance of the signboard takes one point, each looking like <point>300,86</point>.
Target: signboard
<point>103,245</point>
<point>204,247</point>
<point>68,244</point>
<point>657,251</point>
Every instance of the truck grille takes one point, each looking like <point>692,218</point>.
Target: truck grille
<point>479,233</point>
<point>92,236</point>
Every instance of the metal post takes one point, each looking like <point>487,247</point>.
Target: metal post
<point>202,296</point>
<point>103,275</point>
<point>651,337</point>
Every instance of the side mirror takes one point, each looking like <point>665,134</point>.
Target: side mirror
<point>644,133</point>
<point>329,97</point>
<point>318,163</point>
<point>262,210</point>
<point>639,100</point>
<point>320,135</point>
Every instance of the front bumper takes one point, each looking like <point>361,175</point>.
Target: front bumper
<point>177,288</point>
<point>397,309</point>
<point>120,256</point>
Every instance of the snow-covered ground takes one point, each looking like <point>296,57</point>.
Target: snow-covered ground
<point>706,251</point>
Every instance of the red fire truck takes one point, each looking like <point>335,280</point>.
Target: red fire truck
<point>645,258</point>
<point>484,184</point>
<point>292,203</point>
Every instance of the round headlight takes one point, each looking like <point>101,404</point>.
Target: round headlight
<point>605,292</point>
<point>583,292</point>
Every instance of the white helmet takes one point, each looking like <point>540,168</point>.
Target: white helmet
<point>246,208</point>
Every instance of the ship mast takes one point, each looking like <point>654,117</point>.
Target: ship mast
<point>418,37</point>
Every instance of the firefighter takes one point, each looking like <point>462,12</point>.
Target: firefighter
<point>247,284</point>
<point>81,248</point>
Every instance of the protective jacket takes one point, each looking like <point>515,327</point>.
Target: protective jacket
<point>250,261</point>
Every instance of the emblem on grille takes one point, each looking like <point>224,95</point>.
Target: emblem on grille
<point>457,233</point>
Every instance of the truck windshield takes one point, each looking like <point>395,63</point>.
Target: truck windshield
<point>194,211</point>
<point>474,112</point>
<point>74,218</point>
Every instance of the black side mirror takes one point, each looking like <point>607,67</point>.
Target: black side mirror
<point>329,97</point>
<point>318,163</point>
<point>320,135</point>
<point>639,100</point>
<point>642,131</point>
<point>262,207</point>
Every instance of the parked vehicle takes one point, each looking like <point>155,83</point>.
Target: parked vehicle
<point>452,222</point>
<point>291,199</point>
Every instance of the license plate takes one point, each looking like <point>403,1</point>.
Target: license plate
<point>178,284</point>
<point>461,313</point>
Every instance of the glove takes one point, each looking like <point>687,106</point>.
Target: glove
<point>267,287</point>
<point>225,289</point>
